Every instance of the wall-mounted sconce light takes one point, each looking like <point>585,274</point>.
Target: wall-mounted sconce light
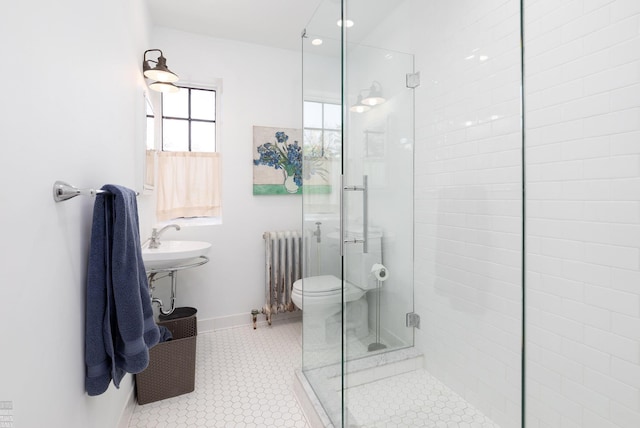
<point>160,73</point>
<point>375,95</point>
<point>358,107</point>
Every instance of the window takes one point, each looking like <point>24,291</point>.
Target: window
<point>322,129</point>
<point>322,152</point>
<point>189,120</point>
<point>188,165</point>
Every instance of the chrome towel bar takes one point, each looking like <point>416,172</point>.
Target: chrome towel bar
<point>63,191</point>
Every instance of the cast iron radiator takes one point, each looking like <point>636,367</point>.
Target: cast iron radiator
<point>283,266</point>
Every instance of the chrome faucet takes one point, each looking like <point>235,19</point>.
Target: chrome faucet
<point>155,235</point>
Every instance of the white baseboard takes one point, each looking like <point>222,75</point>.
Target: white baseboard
<point>127,411</point>
<point>239,320</point>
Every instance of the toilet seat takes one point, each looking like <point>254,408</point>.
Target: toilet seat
<point>323,284</point>
<point>324,289</point>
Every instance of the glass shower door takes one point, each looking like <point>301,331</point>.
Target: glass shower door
<point>378,198</point>
<point>377,220</point>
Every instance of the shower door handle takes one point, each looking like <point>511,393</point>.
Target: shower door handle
<point>365,215</point>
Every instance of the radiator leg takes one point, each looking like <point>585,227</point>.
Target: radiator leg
<point>267,310</point>
<point>254,316</point>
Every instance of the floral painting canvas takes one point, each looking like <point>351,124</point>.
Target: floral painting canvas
<point>277,162</point>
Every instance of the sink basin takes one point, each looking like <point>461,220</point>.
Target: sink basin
<point>173,253</point>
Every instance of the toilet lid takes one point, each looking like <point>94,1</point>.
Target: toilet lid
<point>319,284</point>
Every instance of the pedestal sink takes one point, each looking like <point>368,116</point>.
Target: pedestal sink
<point>173,254</point>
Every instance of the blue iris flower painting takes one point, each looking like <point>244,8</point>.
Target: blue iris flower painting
<point>282,155</point>
<point>277,161</point>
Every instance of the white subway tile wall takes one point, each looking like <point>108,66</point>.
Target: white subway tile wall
<point>468,204</point>
<point>582,93</point>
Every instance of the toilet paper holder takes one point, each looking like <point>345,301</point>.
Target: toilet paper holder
<point>380,272</point>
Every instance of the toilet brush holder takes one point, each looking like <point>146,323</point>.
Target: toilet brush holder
<point>377,345</point>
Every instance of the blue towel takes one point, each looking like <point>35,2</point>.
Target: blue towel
<point>165,334</point>
<point>119,318</point>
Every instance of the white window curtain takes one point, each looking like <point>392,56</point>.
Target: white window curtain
<point>188,185</point>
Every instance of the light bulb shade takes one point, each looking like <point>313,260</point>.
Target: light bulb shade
<point>373,101</point>
<point>375,95</point>
<point>163,87</point>
<point>358,107</point>
<point>160,72</point>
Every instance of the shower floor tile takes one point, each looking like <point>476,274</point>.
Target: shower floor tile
<point>412,399</point>
<point>244,378</point>
<point>399,393</point>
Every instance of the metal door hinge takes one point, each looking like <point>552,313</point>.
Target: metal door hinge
<point>413,80</point>
<point>413,320</point>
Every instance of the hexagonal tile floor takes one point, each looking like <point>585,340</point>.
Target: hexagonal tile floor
<point>244,378</point>
<point>412,399</point>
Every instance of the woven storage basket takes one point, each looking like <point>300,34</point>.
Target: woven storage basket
<point>172,364</point>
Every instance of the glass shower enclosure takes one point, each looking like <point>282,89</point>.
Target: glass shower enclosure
<point>412,312</point>
<point>357,205</point>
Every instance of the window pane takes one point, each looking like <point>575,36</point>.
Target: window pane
<point>312,143</point>
<point>312,115</point>
<point>203,104</point>
<point>175,135</point>
<point>332,116</point>
<point>332,144</point>
<point>203,137</point>
<point>176,104</point>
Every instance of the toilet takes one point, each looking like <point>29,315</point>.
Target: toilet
<point>320,297</point>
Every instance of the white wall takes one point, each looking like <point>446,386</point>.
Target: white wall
<point>468,200</point>
<point>260,86</point>
<point>69,111</point>
<point>583,242</point>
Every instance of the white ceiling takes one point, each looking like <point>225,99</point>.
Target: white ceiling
<point>277,23</point>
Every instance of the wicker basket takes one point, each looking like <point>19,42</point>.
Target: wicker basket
<point>172,364</point>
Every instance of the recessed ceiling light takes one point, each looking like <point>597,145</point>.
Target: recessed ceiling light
<point>348,23</point>
<point>316,42</point>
